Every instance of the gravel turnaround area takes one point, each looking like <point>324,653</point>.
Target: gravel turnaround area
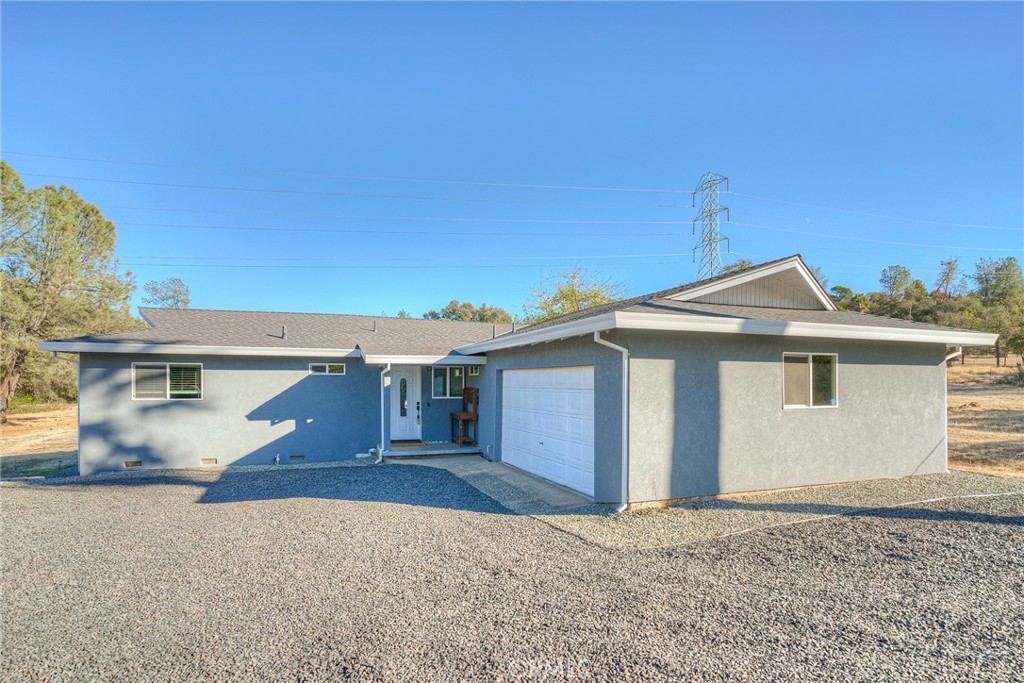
<point>409,573</point>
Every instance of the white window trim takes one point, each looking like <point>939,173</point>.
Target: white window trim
<point>167,389</point>
<point>448,373</point>
<point>327,373</point>
<point>473,371</point>
<point>810,379</point>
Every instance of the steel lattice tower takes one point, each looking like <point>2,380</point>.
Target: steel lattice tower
<point>710,237</point>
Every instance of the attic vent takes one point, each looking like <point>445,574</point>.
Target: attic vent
<point>132,463</point>
<point>297,458</point>
<point>208,461</point>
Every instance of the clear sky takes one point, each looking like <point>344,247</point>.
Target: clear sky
<point>305,132</point>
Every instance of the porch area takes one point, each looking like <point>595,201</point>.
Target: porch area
<point>420,450</point>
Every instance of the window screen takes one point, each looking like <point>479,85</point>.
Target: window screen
<point>150,381</point>
<point>796,382</point>
<point>186,381</point>
<point>167,380</point>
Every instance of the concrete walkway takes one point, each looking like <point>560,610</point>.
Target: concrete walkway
<point>518,491</point>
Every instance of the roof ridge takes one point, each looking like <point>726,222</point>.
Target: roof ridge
<point>338,315</point>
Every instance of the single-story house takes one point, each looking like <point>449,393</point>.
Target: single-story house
<point>746,381</point>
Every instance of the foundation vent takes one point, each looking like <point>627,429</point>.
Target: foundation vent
<point>208,461</point>
<point>297,458</point>
<point>132,463</point>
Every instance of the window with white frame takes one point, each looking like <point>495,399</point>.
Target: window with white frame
<point>327,368</point>
<point>448,382</point>
<point>810,380</point>
<point>162,381</point>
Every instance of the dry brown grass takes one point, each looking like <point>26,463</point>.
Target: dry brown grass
<point>986,419</point>
<point>43,432</point>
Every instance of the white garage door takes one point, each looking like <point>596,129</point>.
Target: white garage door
<point>547,424</point>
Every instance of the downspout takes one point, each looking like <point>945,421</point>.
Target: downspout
<point>380,447</point>
<point>945,398</point>
<point>625,417</point>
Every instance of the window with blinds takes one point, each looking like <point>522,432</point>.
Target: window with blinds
<point>161,381</point>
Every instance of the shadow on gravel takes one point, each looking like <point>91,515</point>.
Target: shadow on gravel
<point>417,486</point>
<point>420,486</point>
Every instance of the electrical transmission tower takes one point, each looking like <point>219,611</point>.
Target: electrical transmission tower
<point>710,237</point>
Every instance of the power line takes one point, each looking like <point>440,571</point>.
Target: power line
<point>392,266</point>
<point>322,193</point>
<point>418,258</point>
<point>425,233</point>
<point>439,219</point>
<point>870,215</point>
<point>866,239</point>
<point>806,221</point>
<point>532,186</point>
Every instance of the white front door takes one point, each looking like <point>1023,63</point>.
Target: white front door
<point>405,404</point>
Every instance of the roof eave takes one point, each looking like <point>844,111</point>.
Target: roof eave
<point>151,348</point>
<point>689,323</point>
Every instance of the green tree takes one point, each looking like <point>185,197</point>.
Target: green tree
<point>569,292</point>
<point>820,276</point>
<point>948,282</point>
<point>742,264</point>
<point>404,314</point>
<point>58,275</point>
<point>895,281</point>
<point>169,293</point>
<point>467,312</point>
<point>841,296</point>
<point>999,282</point>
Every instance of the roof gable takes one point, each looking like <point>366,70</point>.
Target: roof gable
<point>787,283</point>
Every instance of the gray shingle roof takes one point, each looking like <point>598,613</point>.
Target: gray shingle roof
<point>393,336</point>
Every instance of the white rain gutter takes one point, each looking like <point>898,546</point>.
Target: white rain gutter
<point>380,449</point>
<point>625,417</point>
<point>959,352</point>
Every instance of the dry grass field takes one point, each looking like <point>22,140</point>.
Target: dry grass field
<point>986,428</point>
<point>986,419</point>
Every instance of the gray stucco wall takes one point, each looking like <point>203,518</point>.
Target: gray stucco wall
<point>607,401</point>
<point>706,414</point>
<point>252,409</point>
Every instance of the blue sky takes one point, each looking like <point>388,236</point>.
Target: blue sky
<point>310,128</point>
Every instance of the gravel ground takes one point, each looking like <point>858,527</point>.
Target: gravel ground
<point>408,573</point>
<point>704,518</point>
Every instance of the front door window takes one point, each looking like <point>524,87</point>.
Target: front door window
<point>403,390</point>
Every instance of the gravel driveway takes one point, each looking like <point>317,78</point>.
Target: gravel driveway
<point>408,573</point>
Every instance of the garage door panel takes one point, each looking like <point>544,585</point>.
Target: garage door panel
<point>548,424</point>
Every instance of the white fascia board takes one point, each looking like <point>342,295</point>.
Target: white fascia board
<point>657,321</point>
<point>597,323</point>
<point>384,359</point>
<point>793,263</point>
<point>141,348</point>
